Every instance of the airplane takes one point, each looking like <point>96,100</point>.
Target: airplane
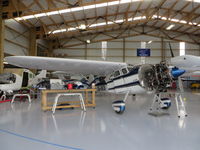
<point>189,63</point>
<point>119,77</point>
<point>10,82</point>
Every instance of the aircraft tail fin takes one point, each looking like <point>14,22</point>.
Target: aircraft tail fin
<point>38,77</point>
<point>42,74</point>
<point>170,47</point>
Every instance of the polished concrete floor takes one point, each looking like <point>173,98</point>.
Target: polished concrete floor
<point>26,127</point>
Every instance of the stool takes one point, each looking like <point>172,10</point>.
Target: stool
<point>69,94</point>
<point>17,95</point>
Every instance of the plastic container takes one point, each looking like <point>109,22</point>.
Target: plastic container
<point>69,86</point>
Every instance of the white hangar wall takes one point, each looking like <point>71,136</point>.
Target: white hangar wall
<point>120,50</point>
<point>16,40</point>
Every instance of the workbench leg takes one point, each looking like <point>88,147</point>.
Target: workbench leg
<point>44,100</point>
<point>86,97</point>
<point>93,98</point>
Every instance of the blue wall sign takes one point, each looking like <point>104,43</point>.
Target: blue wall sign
<point>143,52</point>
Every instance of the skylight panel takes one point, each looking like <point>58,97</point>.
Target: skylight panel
<point>170,27</point>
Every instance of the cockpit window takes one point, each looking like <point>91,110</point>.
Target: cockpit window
<point>135,70</point>
<point>30,75</point>
<point>111,77</point>
<point>124,71</point>
<point>116,74</point>
<point>129,69</point>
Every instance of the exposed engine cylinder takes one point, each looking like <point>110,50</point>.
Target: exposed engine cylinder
<point>154,77</point>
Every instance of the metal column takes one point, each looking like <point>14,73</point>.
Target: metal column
<point>32,43</point>
<point>2,29</point>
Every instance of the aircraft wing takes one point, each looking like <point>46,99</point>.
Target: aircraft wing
<point>72,66</point>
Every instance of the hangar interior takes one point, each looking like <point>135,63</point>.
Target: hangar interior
<point>101,30</point>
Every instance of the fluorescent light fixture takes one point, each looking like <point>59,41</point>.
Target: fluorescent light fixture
<point>183,21</point>
<point>64,11</point>
<point>149,42</point>
<point>174,20</point>
<point>71,29</point>
<point>170,27</point>
<point>101,24</point>
<point>76,9</point>
<point>139,18</point>
<point>125,1</point>
<point>193,23</point>
<point>196,1</point>
<point>88,41</point>
<point>164,18</point>
<point>128,1</point>
<point>101,5</point>
<point>113,3</point>
<point>88,7</point>
<point>82,27</point>
<point>40,15</point>
<point>98,24</point>
<point>52,13</point>
<point>119,21</point>
<point>19,18</point>
<point>130,19</point>
<point>154,16</point>
<point>28,17</point>
<point>58,31</point>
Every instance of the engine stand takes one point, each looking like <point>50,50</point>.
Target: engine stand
<point>156,110</point>
<point>180,106</point>
<point>155,106</point>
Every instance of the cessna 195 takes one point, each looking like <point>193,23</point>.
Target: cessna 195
<point>119,77</point>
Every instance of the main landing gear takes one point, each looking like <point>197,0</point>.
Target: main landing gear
<point>119,106</point>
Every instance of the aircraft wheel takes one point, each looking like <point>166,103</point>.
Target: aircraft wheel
<point>119,106</point>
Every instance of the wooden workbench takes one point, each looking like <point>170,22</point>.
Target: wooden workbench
<point>89,102</point>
